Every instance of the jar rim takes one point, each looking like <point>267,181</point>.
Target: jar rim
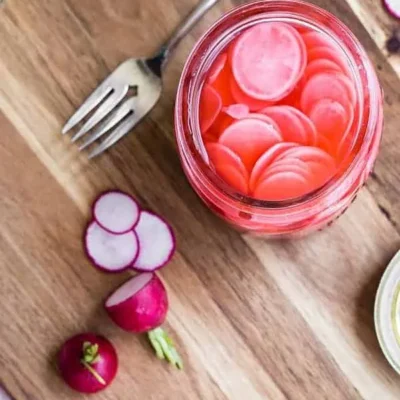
<point>301,13</point>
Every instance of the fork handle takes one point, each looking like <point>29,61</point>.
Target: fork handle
<point>183,29</point>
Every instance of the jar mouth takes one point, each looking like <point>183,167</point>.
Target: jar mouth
<point>210,45</point>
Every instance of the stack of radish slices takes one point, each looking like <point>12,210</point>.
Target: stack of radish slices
<point>122,236</point>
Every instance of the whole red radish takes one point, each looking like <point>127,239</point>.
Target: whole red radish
<point>88,363</point>
<point>140,305</point>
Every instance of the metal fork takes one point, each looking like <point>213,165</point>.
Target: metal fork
<point>115,116</point>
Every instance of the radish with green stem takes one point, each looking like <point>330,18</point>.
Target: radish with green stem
<point>88,363</point>
<point>140,305</point>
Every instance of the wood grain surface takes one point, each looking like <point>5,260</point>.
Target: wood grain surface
<point>254,320</point>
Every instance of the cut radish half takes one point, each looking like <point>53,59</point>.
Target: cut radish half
<point>140,304</point>
<point>108,251</point>
<point>393,6</point>
<point>156,242</point>
<point>266,160</point>
<point>267,60</point>
<point>116,212</point>
<point>249,138</point>
<point>210,107</point>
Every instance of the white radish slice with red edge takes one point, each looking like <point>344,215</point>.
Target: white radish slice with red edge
<point>108,251</point>
<point>116,212</point>
<point>393,7</point>
<point>156,242</point>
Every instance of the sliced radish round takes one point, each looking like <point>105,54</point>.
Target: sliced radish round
<point>210,107</point>
<point>393,6</point>
<point>222,155</point>
<point>140,304</point>
<point>327,53</point>
<point>244,98</point>
<point>108,251</point>
<point>265,161</point>
<point>222,85</point>
<point>315,39</point>
<point>266,119</point>
<point>282,186</point>
<point>322,86</point>
<point>233,177</point>
<point>330,118</point>
<point>291,128</point>
<point>307,154</point>
<point>237,111</point>
<point>249,138</point>
<point>287,165</point>
<point>267,60</point>
<point>116,212</point>
<point>321,65</point>
<point>217,67</point>
<point>156,242</point>
<point>308,125</point>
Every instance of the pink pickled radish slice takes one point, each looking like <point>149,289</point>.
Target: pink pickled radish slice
<point>249,139</point>
<point>108,251</point>
<point>267,60</point>
<point>321,173</point>
<point>321,65</point>
<point>209,137</point>
<point>308,126</point>
<point>217,68</point>
<point>330,54</point>
<point>282,186</point>
<point>288,165</point>
<point>242,97</point>
<point>393,7</point>
<point>210,107</point>
<point>265,161</point>
<point>330,118</point>
<point>326,145</point>
<point>351,90</point>
<point>324,86</point>
<point>237,111</point>
<point>220,124</point>
<point>116,212</point>
<point>233,177</point>
<point>156,242</point>
<point>267,119</point>
<point>291,128</point>
<point>222,86</point>
<point>315,39</point>
<point>222,155</point>
<point>307,154</point>
<point>293,98</point>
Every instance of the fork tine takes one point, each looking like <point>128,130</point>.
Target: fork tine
<point>104,109</point>
<point>88,105</point>
<point>118,133</point>
<point>120,113</point>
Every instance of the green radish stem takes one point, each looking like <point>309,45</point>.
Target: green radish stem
<point>90,356</point>
<point>164,347</point>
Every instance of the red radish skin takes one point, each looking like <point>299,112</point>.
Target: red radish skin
<point>116,211</point>
<point>110,252</point>
<point>88,363</point>
<point>393,7</point>
<point>267,60</point>
<point>140,304</point>
<point>157,243</point>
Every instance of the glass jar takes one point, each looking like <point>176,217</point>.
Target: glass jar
<point>317,209</point>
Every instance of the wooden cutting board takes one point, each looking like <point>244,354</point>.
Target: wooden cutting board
<point>253,320</point>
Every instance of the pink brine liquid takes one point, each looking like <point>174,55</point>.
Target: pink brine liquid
<point>276,111</point>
